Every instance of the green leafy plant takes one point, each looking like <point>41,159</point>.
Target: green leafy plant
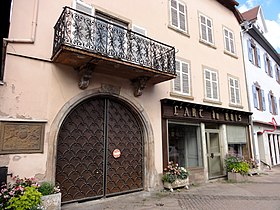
<point>30,198</point>
<point>236,164</point>
<point>173,172</point>
<point>21,194</point>
<point>47,188</point>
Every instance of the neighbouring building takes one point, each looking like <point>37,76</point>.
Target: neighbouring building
<point>99,95</point>
<point>263,79</point>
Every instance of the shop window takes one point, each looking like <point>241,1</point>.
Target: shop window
<point>234,91</point>
<point>206,29</point>
<point>181,83</point>
<point>229,41</point>
<point>178,15</point>
<point>211,84</point>
<point>267,65</point>
<point>258,97</point>
<point>236,139</point>
<point>272,103</point>
<point>254,53</point>
<point>184,144</point>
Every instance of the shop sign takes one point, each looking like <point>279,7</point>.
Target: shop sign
<point>203,113</point>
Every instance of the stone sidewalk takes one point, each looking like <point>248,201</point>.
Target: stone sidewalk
<point>260,192</point>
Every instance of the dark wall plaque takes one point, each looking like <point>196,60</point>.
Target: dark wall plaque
<point>21,137</point>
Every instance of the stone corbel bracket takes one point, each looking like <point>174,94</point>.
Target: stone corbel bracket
<point>139,84</point>
<point>85,74</point>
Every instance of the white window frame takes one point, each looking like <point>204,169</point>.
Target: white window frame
<point>234,91</point>
<point>207,29</point>
<point>179,15</point>
<point>213,84</point>
<point>229,41</point>
<point>180,78</point>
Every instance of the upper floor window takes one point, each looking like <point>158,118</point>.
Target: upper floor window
<point>258,97</point>
<point>234,90</point>
<point>267,65</point>
<point>211,84</point>
<point>254,53</point>
<point>206,29</point>
<point>277,73</point>
<point>229,41</point>
<point>178,13</point>
<point>181,83</point>
<point>272,103</point>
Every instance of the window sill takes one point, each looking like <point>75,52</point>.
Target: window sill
<point>185,33</point>
<point>212,101</point>
<point>207,44</point>
<point>230,54</point>
<point>1,82</point>
<point>235,106</point>
<point>182,96</point>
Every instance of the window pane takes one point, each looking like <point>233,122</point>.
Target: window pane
<point>184,145</point>
<point>174,18</point>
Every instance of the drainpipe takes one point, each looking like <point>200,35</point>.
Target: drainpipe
<point>33,30</point>
<point>6,41</point>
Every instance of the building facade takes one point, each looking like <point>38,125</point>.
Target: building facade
<point>262,70</point>
<point>98,97</point>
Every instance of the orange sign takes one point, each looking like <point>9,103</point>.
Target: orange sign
<point>116,153</point>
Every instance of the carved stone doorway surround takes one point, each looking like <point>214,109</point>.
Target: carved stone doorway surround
<point>150,175</point>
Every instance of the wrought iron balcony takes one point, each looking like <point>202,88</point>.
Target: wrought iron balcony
<point>84,41</point>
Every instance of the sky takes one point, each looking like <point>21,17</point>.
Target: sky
<point>271,12</point>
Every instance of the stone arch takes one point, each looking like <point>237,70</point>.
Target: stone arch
<point>150,174</point>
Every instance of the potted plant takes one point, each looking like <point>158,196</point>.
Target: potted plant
<point>51,196</point>
<point>22,194</point>
<point>237,168</point>
<point>175,176</point>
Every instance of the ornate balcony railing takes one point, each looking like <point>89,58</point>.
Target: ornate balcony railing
<point>94,35</point>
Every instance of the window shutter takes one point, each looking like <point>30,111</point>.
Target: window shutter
<point>182,16</point>
<point>250,53</point>
<point>139,30</point>
<point>255,98</point>
<point>275,105</point>
<point>269,103</point>
<point>232,95</point>
<point>83,7</point>
<point>265,63</point>
<point>259,57</point>
<point>203,28</point>
<point>271,70</point>
<point>263,100</point>
<point>215,85</point>
<point>208,84</point>
<point>174,13</point>
<point>185,78</point>
<point>226,39</point>
<point>237,92</point>
<point>209,27</point>
<point>276,72</point>
<point>177,80</point>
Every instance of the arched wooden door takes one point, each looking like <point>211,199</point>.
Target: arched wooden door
<point>89,141</point>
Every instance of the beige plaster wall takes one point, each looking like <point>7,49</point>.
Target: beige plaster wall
<point>36,89</point>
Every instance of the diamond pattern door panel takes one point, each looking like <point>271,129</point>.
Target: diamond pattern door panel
<point>80,152</point>
<point>125,173</point>
<point>85,166</point>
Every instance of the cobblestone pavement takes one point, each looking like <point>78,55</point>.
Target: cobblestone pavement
<point>260,192</point>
